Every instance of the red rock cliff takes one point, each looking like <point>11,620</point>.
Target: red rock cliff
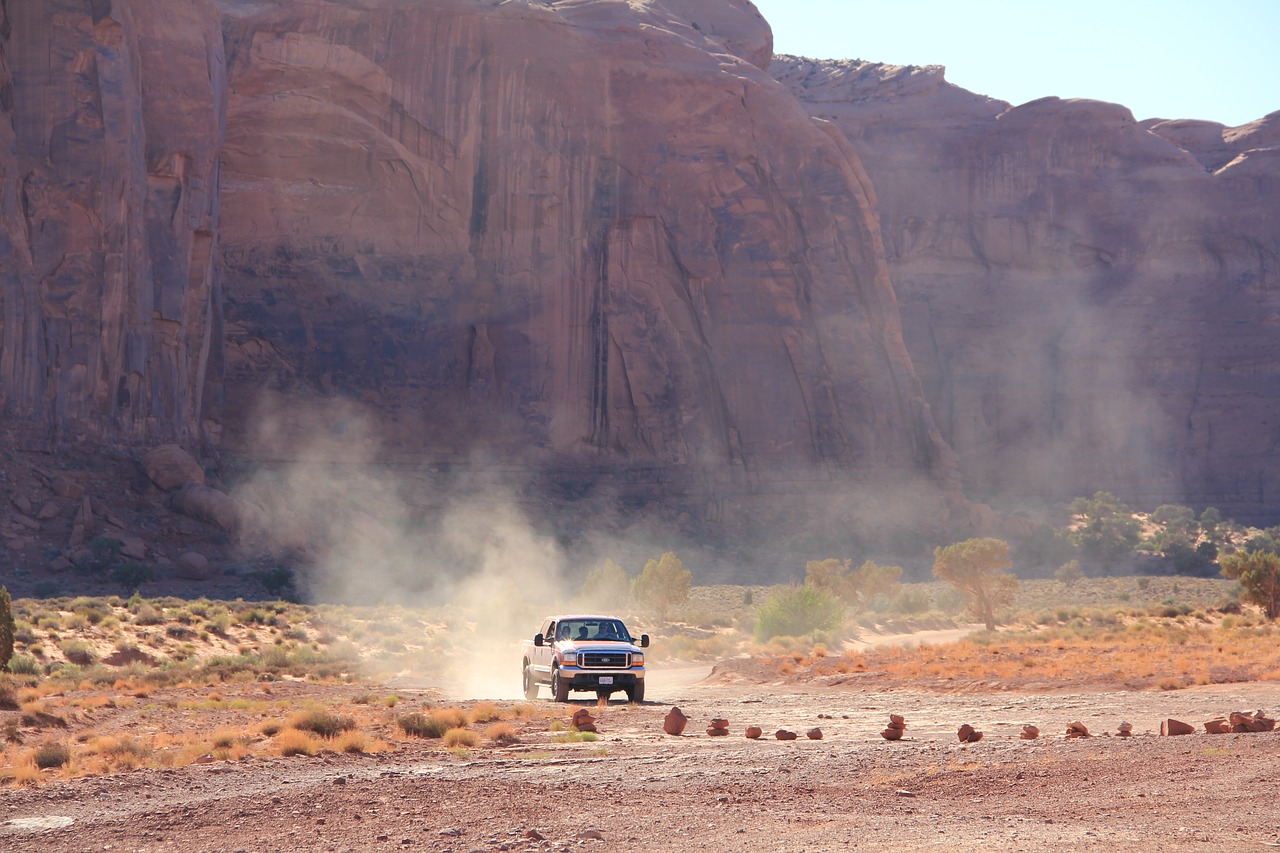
<point>110,133</point>
<point>1090,300</point>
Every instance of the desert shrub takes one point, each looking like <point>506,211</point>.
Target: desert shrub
<point>25,665</point>
<point>795,611</point>
<point>433,724</point>
<point>1068,574</point>
<point>909,602</point>
<point>51,754</point>
<point>352,743</point>
<point>8,629</point>
<point>78,653</point>
<point>132,575</point>
<point>148,614</point>
<point>483,712</point>
<point>270,728</point>
<point>461,737</point>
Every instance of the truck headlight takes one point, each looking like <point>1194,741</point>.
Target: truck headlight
<point>637,659</point>
<point>569,658</point>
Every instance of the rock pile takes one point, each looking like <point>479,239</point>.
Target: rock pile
<point>1077,729</point>
<point>719,727</point>
<point>968,734</point>
<point>1240,722</point>
<point>583,721</point>
<point>897,725</point>
<point>1125,729</point>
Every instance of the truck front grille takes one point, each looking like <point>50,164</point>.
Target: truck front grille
<point>606,660</point>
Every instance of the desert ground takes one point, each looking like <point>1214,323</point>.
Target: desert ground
<point>635,787</point>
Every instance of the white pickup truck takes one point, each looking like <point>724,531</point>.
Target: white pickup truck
<point>584,653</point>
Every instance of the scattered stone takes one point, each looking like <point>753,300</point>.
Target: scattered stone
<point>814,734</point>
<point>65,487</point>
<point>968,734</point>
<point>49,511</point>
<point>534,835</point>
<point>1176,727</point>
<point>897,725</point>
<point>903,792</point>
<point>674,722</point>
<point>783,734</point>
<point>170,467</point>
<point>1125,729</point>
<point>450,832</point>
<point>1219,726</point>
<point>26,521</point>
<point>340,780</point>
<point>192,566</point>
<point>754,732</point>
<point>590,835</point>
<point>206,759</point>
<point>1030,732</point>
<point>1077,729</point>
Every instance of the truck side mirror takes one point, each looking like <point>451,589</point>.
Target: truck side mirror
<point>644,641</point>
<point>537,640</point>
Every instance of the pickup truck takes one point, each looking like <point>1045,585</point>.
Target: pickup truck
<point>584,653</point>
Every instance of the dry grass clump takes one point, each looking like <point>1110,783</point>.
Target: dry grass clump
<point>483,712</point>
<point>296,742</point>
<point>51,754</point>
<point>432,724</point>
<point>322,722</point>
<point>503,734</point>
<point>454,738</point>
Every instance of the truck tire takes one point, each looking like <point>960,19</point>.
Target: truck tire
<point>635,693</point>
<point>559,686</point>
<point>530,686</point>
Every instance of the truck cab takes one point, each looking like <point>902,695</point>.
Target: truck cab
<point>585,653</point>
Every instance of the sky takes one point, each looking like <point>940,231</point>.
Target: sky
<point>1218,61</point>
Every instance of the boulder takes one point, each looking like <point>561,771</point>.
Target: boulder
<point>784,734</point>
<point>1176,727</point>
<point>814,734</point>
<point>754,732</point>
<point>170,467</point>
<point>1030,732</point>
<point>192,566</point>
<point>1217,727</point>
<point>133,548</point>
<point>22,504</point>
<point>675,722</point>
<point>207,504</point>
<point>968,734</point>
<point>48,511</point>
<point>65,487</point>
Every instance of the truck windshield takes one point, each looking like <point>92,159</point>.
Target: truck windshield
<point>593,629</point>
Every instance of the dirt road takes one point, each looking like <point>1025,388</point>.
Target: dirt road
<point>639,789</point>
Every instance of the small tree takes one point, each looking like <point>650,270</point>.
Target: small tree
<point>856,586</point>
<point>794,611</point>
<point>1259,576</point>
<point>1107,531</point>
<point>663,584</point>
<point>7,627</point>
<point>606,586</point>
<point>1068,573</point>
<point>976,567</point>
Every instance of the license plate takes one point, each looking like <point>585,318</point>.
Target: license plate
<point>606,679</point>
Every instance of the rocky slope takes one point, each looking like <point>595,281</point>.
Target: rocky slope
<point>1090,300</point>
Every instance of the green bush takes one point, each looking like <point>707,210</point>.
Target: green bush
<point>132,575</point>
<point>324,723</point>
<point>795,611</point>
<point>25,665</point>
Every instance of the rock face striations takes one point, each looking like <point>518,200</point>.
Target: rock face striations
<point>584,231</point>
<point>110,133</point>
<point>1090,301</point>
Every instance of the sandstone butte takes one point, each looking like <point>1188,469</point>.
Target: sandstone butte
<point>620,242</point>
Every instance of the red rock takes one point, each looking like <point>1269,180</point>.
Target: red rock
<point>891,733</point>
<point>814,734</point>
<point>1124,729</point>
<point>1029,732</point>
<point>754,732</point>
<point>1176,727</point>
<point>965,732</point>
<point>783,734</point>
<point>171,467</point>
<point>675,721</point>
<point>719,723</point>
<point>715,732</point>
<point>1077,729</point>
<point>1217,727</point>
<point>898,720</point>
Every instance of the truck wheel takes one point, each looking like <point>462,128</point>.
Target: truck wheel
<point>530,686</point>
<point>559,686</point>
<point>636,692</point>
